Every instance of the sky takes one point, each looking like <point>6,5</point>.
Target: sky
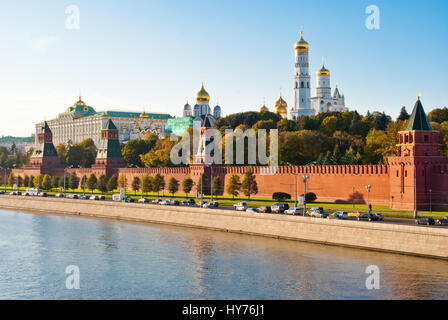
<point>153,55</point>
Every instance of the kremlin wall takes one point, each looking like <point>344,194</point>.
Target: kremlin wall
<point>418,172</point>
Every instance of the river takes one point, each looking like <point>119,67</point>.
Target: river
<point>120,260</point>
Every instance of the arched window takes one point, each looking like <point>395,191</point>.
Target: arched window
<point>301,85</point>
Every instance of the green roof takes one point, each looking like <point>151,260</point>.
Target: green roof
<point>110,125</point>
<point>418,120</point>
<point>11,139</point>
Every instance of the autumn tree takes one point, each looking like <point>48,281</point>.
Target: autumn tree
<point>92,182</point>
<point>187,185</point>
<point>249,185</point>
<point>135,185</point>
<point>233,185</point>
<point>112,183</point>
<point>173,185</point>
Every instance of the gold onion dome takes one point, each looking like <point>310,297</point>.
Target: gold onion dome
<point>323,71</point>
<point>80,102</point>
<point>264,109</point>
<point>301,44</point>
<point>281,106</point>
<point>202,95</point>
<point>143,115</point>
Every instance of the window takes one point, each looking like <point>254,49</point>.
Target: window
<point>426,139</point>
<point>301,85</point>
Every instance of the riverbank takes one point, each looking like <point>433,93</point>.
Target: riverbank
<point>410,240</point>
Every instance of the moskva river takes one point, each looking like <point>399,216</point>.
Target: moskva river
<point>48,257</point>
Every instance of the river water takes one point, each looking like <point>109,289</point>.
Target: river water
<point>119,260</point>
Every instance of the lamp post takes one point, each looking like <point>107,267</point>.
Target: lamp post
<point>368,198</point>
<point>295,186</point>
<point>305,178</point>
<point>430,200</point>
<point>415,189</point>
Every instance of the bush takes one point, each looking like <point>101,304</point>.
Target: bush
<point>310,197</point>
<point>281,196</point>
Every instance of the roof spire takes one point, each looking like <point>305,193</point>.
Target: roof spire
<point>418,120</point>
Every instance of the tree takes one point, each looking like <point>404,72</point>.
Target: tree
<point>134,148</point>
<point>121,181</point>
<point>158,183</point>
<point>136,184</point>
<point>73,181</point>
<point>438,115</point>
<point>281,196</point>
<point>61,149</point>
<point>216,185</point>
<point>187,185</point>
<point>19,181</point>
<point>249,185</point>
<point>26,181</point>
<point>12,179</point>
<point>203,179</point>
<point>233,185</point>
<point>31,183</point>
<point>112,183</point>
<point>147,184</point>
<point>46,182</point>
<point>37,181</point>
<point>83,182</point>
<point>92,182</point>
<point>173,185</point>
<point>329,125</point>
<point>350,157</point>
<point>55,182</point>
<point>102,183</point>
<point>310,197</point>
<point>404,115</point>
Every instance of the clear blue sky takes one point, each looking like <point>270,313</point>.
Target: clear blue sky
<point>133,55</point>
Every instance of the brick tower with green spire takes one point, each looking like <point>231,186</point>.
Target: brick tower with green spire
<point>418,174</point>
<point>109,157</point>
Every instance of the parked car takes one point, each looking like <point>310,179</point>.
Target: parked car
<point>165,202</point>
<point>60,195</point>
<point>2,192</point>
<point>252,210</point>
<point>102,197</point>
<point>443,220</point>
<point>174,202</point>
<point>13,193</point>
<point>426,221</point>
<point>354,214</point>
<point>279,207</point>
<point>294,211</point>
<point>143,200</point>
<point>317,214</point>
<point>201,203</point>
<point>73,196</point>
<point>265,209</point>
<point>379,216</point>
<point>156,201</point>
<point>188,202</point>
<point>94,198</point>
<point>214,204</point>
<point>342,215</point>
<point>367,217</point>
<point>240,206</point>
<point>129,199</point>
<point>83,197</point>
<point>42,194</point>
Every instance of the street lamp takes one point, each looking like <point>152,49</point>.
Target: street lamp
<point>305,178</point>
<point>415,189</point>
<point>295,185</point>
<point>368,198</point>
<point>430,200</point>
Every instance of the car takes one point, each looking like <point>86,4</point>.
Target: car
<point>240,206</point>
<point>94,198</point>
<point>354,214</point>
<point>60,195</point>
<point>252,210</point>
<point>265,209</point>
<point>334,215</point>
<point>317,214</point>
<point>83,197</point>
<point>443,220</point>
<point>342,215</point>
<point>201,203</point>
<point>165,202</point>
<point>294,211</point>
<point>174,202</point>
<point>367,217</point>
<point>128,199</point>
<point>73,196</point>
<point>156,201</point>
<point>102,197</point>
<point>379,216</point>
<point>42,194</point>
<point>188,202</point>
<point>214,204</point>
<point>426,221</point>
<point>279,208</point>
<point>207,206</point>
<point>13,193</point>
<point>2,192</point>
<point>143,200</point>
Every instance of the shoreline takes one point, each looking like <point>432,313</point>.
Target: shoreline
<point>390,238</point>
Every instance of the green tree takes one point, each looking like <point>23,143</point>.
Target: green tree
<point>112,183</point>
<point>83,182</point>
<point>31,183</point>
<point>61,149</point>
<point>249,185</point>
<point>46,182</point>
<point>404,115</point>
<point>147,183</point>
<point>187,185</point>
<point>158,183</point>
<point>134,148</point>
<point>102,183</point>
<point>19,181</point>
<point>233,185</point>
<point>173,185</point>
<point>216,185</point>
<point>329,125</point>
<point>92,182</point>
<point>136,184</point>
<point>202,179</point>
<point>55,182</point>
<point>12,179</point>
<point>26,181</point>
<point>73,181</point>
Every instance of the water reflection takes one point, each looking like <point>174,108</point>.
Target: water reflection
<point>142,261</point>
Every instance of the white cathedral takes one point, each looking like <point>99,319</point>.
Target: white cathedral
<point>324,101</point>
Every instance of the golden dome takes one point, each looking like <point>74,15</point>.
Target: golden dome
<point>202,95</point>
<point>80,102</point>
<point>301,45</point>
<point>143,115</point>
<point>264,109</point>
<point>281,106</point>
<point>323,72</point>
